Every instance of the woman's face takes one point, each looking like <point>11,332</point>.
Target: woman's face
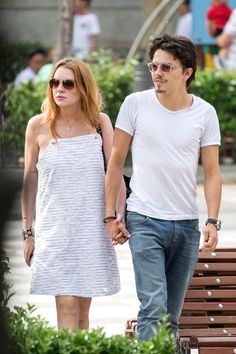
<point>64,89</point>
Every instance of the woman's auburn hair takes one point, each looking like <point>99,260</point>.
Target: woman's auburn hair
<point>90,96</point>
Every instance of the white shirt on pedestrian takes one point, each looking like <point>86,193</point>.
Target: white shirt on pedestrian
<point>25,75</point>
<point>84,26</point>
<point>230,28</point>
<point>184,25</point>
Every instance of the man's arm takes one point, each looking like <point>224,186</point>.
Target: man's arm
<point>93,43</point>
<point>212,191</point>
<point>224,40</point>
<point>114,175</point>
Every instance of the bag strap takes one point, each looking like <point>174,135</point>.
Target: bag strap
<point>99,131</point>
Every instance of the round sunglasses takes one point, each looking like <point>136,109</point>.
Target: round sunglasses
<point>67,84</point>
<point>165,67</point>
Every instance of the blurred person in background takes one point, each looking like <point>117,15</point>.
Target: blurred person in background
<point>184,22</point>
<point>36,60</point>
<point>86,29</point>
<point>216,17</point>
<point>227,39</point>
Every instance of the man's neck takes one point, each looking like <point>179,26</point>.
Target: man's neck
<point>175,103</point>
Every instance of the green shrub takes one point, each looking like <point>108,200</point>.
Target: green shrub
<point>115,80</point>
<point>21,103</point>
<point>5,286</point>
<point>219,88</point>
<point>32,335</point>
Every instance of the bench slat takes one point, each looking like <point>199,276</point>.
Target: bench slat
<point>216,280</point>
<point>214,350</point>
<point>216,256</point>
<point>208,267</point>
<point>206,320</point>
<point>211,332</point>
<point>209,306</point>
<point>210,294</point>
<point>217,341</point>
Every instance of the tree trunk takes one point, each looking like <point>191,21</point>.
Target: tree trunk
<point>66,12</point>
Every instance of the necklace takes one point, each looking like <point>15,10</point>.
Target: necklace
<point>68,127</point>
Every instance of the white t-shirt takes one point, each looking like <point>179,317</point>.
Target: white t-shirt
<point>184,25</point>
<point>84,26</point>
<point>165,152</point>
<point>25,75</point>
<point>230,28</point>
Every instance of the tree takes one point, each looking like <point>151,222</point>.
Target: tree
<point>66,12</point>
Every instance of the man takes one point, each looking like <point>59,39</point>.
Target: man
<point>167,128</point>
<point>86,30</point>
<point>36,60</point>
<point>227,40</point>
<point>184,22</point>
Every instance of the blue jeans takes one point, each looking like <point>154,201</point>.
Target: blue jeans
<point>164,257</point>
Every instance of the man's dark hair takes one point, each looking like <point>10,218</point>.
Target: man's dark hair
<point>182,48</point>
<point>37,51</point>
<point>186,2</point>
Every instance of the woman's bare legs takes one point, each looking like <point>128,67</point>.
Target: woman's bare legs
<point>73,312</point>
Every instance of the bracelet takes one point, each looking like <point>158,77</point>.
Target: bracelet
<point>109,218</point>
<point>28,233</point>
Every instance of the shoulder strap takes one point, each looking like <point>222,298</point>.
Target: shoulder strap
<point>99,131</point>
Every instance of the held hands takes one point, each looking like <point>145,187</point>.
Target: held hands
<point>210,238</point>
<point>117,231</point>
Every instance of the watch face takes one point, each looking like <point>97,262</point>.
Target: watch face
<point>215,222</point>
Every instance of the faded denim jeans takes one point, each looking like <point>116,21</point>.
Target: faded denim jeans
<point>164,257</point>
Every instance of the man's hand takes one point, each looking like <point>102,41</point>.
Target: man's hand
<point>117,231</point>
<point>210,238</point>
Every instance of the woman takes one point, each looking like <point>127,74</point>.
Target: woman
<point>74,258</point>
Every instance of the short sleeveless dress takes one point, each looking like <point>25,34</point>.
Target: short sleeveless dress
<point>73,252</point>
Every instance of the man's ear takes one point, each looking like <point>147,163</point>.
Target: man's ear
<point>188,72</point>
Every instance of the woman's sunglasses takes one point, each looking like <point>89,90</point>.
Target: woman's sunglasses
<point>67,84</point>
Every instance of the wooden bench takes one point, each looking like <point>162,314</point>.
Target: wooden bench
<point>208,318</point>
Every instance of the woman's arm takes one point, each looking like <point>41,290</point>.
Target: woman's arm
<point>30,183</point>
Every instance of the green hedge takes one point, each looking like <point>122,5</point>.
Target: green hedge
<point>219,89</point>
<point>30,334</point>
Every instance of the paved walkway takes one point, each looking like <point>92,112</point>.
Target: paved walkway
<point>108,312</point>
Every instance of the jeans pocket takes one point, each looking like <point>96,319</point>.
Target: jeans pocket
<point>133,219</point>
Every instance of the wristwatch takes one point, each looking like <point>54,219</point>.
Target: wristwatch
<point>216,222</point>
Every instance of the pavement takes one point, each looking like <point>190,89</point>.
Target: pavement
<point>111,312</point>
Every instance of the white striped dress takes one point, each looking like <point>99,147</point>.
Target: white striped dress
<point>73,252</point>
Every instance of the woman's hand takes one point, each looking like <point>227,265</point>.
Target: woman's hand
<point>117,231</point>
<point>28,248</point>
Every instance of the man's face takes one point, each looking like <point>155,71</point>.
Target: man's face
<point>170,78</point>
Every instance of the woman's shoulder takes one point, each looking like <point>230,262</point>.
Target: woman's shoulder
<point>36,123</point>
<point>37,120</point>
<point>104,121</point>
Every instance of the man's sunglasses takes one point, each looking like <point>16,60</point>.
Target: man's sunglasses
<point>67,84</point>
<point>165,67</point>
